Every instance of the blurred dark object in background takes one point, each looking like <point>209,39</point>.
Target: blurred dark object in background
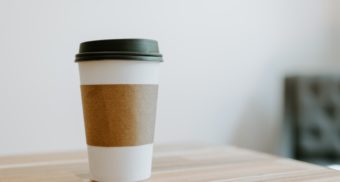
<point>312,118</point>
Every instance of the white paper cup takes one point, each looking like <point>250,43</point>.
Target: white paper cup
<point>119,95</point>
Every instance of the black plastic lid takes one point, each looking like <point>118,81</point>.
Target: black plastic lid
<point>127,49</point>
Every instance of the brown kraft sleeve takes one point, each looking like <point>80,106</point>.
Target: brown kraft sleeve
<point>119,114</point>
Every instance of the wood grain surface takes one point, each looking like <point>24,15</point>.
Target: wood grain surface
<point>172,163</point>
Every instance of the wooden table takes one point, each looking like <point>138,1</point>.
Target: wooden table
<point>172,163</point>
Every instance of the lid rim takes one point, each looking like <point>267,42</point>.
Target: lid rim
<point>99,57</point>
<point>119,53</point>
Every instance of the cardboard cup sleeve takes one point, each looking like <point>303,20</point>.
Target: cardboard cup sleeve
<point>119,114</point>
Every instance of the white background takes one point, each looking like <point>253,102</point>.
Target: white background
<point>221,81</point>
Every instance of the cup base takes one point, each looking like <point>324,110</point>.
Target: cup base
<point>120,164</point>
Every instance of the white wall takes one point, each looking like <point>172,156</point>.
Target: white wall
<point>221,79</point>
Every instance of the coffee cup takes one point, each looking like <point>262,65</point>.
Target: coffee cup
<point>119,88</point>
